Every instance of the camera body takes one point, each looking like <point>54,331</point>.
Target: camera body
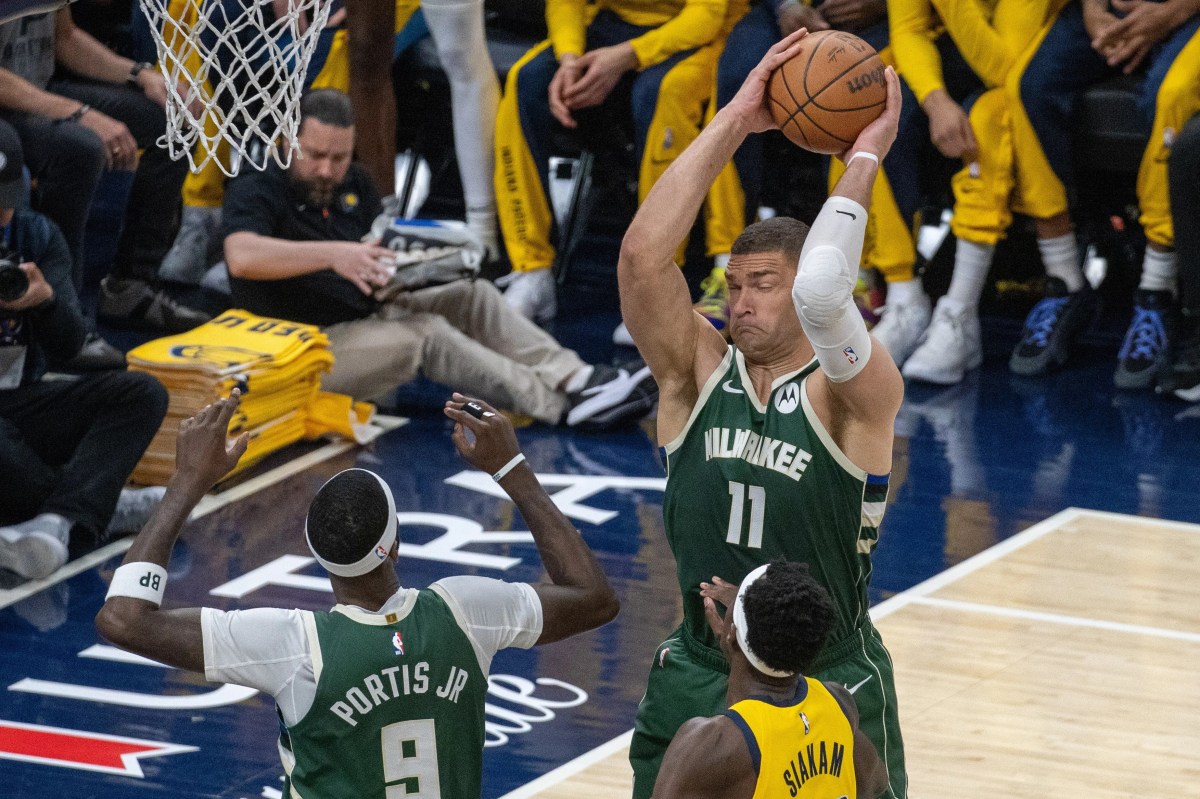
<point>13,280</point>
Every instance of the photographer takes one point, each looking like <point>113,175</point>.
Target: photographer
<point>295,250</point>
<point>66,446</point>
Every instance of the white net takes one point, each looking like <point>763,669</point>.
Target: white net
<point>239,68</point>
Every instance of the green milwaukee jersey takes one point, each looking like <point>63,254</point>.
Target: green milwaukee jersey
<point>400,697</point>
<point>748,484</point>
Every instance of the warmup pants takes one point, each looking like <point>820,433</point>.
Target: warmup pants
<point>1045,89</point>
<point>667,101</point>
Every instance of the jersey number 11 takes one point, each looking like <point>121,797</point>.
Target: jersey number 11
<point>758,507</point>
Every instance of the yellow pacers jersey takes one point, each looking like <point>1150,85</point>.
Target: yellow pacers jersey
<point>804,750</point>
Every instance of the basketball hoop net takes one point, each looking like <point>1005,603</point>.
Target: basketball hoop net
<point>239,66</point>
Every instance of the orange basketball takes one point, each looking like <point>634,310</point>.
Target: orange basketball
<point>824,96</point>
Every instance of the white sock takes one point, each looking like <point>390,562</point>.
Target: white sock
<point>971,264</point>
<point>1060,256</point>
<point>1158,271</point>
<point>579,379</point>
<point>904,292</point>
<point>457,29</point>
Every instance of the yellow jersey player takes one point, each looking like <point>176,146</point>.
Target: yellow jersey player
<point>784,734</point>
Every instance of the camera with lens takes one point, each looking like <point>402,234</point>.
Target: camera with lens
<point>13,280</point>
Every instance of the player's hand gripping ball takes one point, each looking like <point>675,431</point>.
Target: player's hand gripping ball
<point>825,95</point>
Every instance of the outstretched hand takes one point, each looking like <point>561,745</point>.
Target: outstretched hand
<point>203,453</point>
<point>750,104</point>
<point>493,442</point>
<point>878,137</point>
<point>717,592</point>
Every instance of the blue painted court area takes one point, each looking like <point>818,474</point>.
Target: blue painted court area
<point>974,464</point>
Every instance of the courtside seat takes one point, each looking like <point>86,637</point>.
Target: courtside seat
<point>1110,131</point>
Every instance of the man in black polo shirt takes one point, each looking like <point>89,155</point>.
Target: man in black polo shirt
<point>295,250</point>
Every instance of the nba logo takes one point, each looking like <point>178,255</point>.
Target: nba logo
<point>398,643</point>
<point>850,354</point>
<point>380,552</point>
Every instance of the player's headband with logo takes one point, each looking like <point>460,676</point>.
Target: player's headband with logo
<point>378,553</point>
<point>739,623</point>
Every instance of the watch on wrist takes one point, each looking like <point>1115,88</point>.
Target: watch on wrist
<point>136,70</point>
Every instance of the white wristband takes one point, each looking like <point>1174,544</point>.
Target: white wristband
<point>508,467</point>
<point>142,580</point>
<point>863,154</point>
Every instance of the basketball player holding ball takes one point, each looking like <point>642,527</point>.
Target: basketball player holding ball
<point>779,446</point>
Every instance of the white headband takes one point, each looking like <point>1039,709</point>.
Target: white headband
<point>378,553</point>
<point>739,623</point>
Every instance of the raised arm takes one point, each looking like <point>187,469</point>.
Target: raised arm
<point>859,389</point>
<point>680,347</point>
<point>578,596</point>
<point>131,617</point>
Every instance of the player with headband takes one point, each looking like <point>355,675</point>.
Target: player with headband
<point>779,446</point>
<point>773,629</point>
<point>335,674</point>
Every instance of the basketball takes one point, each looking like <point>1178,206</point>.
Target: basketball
<point>824,96</point>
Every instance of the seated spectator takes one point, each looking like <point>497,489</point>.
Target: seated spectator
<point>664,53</point>
<point>1001,171</point>
<point>295,246</point>
<point>1089,42</point>
<point>72,129</point>
<point>66,446</point>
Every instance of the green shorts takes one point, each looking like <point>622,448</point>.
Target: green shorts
<point>689,680</point>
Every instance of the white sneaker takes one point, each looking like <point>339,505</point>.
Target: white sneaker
<point>621,336</point>
<point>531,294</point>
<point>901,327</point>
<point>951,346</point>
<point>134,508</point>
<point>35,549</point>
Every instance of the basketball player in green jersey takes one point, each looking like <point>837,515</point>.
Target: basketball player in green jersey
<point>784,736</point>
<point>779,446</point>
<point>383,695</point>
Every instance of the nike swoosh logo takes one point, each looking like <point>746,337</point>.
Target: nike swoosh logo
<point>847,213</point>
<point>727,385</point>
<point>855,688</point>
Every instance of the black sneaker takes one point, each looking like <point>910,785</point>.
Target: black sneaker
<point>133,303</point>
<point>96,355</point>
<point>1144,351</point>
<point>1051,328</point>
<point>612,397</point>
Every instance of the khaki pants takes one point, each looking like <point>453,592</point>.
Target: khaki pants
<point>462,335</point>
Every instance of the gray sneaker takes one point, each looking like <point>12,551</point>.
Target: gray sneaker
<point>37,548</point>
<point>188,259</point>
<point>136,304</point>
<point>133,510</point>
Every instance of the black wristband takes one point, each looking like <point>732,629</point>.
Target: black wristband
<point>75,115</point>
<point>136,70</point>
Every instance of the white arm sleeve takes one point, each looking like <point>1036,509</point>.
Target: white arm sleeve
<point>494,614</point>
<point>262,648</point>
<point>824,289</point>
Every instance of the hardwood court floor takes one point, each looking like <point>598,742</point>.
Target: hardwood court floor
<point>1060,662</point>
